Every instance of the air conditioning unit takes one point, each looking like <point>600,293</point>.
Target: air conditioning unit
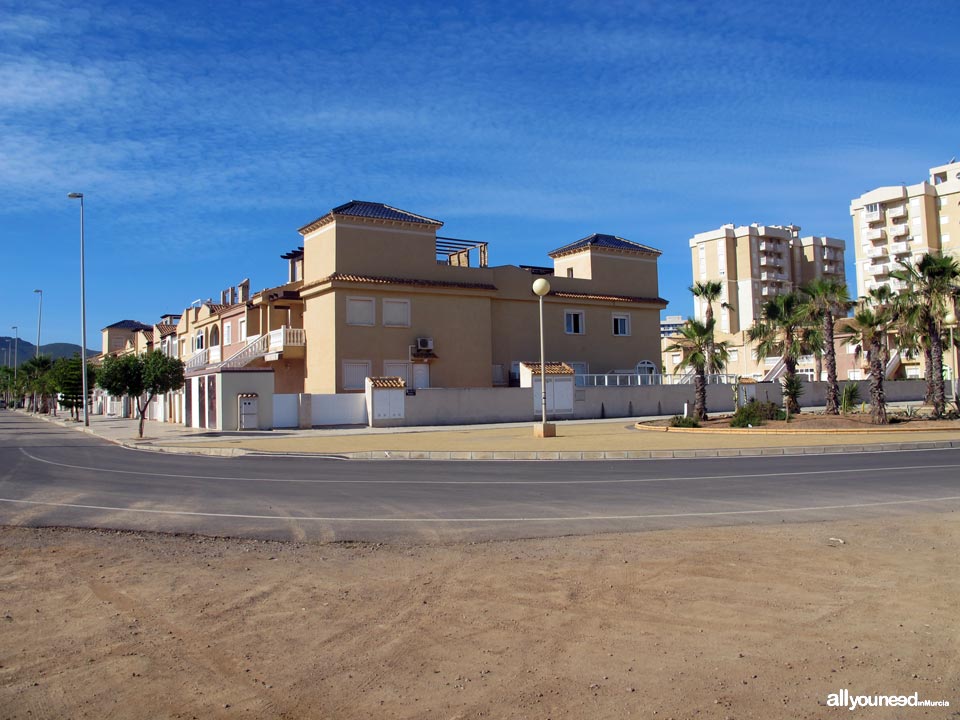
<point>424,343</point>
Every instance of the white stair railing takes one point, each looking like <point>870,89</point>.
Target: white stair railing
<point>252,351</point>
<point>892,365</point>
<point>198,359</point>
<point>774,372</point>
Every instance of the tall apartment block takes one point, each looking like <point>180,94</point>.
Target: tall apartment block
<point>903,222</point>
<point>756,262</point>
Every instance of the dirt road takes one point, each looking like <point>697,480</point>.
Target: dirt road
<point>707,623</point>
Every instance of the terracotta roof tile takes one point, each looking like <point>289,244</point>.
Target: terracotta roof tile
<point>388,383</point>
<point>550,368</point>
<point>609,298</point>
<point>166,329</point>
<point>414,282</point>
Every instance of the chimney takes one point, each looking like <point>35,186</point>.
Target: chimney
<point>243,290</point>
<point>223,297</point>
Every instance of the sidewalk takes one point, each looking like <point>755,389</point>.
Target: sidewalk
<point>576,440</point>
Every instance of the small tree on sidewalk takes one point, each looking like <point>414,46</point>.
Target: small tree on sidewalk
<point>141,377</point>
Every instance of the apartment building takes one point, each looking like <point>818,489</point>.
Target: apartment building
<point>754,263</point>
<point>903,222</point>
<point>384,294</point>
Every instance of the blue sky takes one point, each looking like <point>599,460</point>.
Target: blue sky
<point>204,134</point>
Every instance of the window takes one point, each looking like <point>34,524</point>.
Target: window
<point>915,202</point>
<point>945,238</point>
<point>944,219</point>
<point>675,358</point>
<point>198,341</point>
<point>355,372</point>
<point>360,311</point>
<point>621,324</point>
<point>734,355</point>
<point>396,313</point>
<point>573,322</point>
<point>579,368</point>
<point>872,207</point>
<point>227,333</point>
<point>569,272</point>
<point>702,257</point>
<point>399,368</point>
<point>243,330</point>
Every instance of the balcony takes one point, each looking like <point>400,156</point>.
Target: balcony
<point>769,246</point>
<point>899,248</point>
<point>897,211</point>
<point>286,337</point>
<point>899,230</point>
<point>873,216</point>
<point>881,270</point>
<point>214,356</point>
<point>770,261</point>
<point>875,252</point>
<point>874,234</point>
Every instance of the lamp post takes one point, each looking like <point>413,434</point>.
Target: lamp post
<point>951,322</point>
<point>83,314</point>
<point>39,318</point>
<point>16,351</point>
<point>543,429</point>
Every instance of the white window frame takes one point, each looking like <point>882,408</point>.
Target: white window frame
<point>583,322</point>
<point>361,299</point>
<point>242,329</point>
<point>369,373</point>
<point>407,370</point>
<point>393,301</point>
<point>734,355</point>
<point>228,332</point>
<point>626,325</point>
<point>198,340</point>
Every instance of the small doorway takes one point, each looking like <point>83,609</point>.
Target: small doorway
<point>421,375</point>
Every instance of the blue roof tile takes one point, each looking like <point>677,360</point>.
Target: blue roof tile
<point>600,240</point>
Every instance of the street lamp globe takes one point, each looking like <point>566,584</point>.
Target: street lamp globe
<point>541,286</point>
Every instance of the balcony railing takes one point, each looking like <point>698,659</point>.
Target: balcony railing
<point>286,337</point>
<point>630,380</point>
<point>875,252</point>
<point>897,211</point>
<point>899,230</point>
<point>874,234</point>
<point>214,355</point>
<point>899,248</point>
<point>872,216</point>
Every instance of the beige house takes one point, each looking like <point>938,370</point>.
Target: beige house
<point>755,263</point>
<point>385,295</point>
<point>903,222</point>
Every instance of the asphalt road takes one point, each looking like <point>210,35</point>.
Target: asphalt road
<point>52,476</point>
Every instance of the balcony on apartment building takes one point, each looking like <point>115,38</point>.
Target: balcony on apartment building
<point>874,234</point>
<point>770,261</point>
<point>881,270</point>
<point>769,246</point>
<point>899,248</point>
<point>285,341</point>
<point>897,211</point>
<point>899,230</point>
<point>872,216</point>
<point>875,252</point>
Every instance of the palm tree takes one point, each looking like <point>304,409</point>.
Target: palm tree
<point>709,291</point>
<point>825,302</point>
<point>868,332</point>
<point>780,331</point>
<point>699,351</point>
<point>931,285</point>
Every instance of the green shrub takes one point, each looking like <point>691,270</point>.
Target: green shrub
<point>681,421</point>
<point>756,413</point>
<point>849,397</point>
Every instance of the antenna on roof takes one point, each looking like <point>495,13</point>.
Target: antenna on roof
<point>952,160</point>
<point>198,302</point>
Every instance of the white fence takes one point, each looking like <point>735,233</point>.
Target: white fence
<point>286,411</point>
<point>631,380</point>
<point>341,409</point>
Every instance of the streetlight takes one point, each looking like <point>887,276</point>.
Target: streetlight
<point>16,351</point>
<point>83,314</point>
<point>951,322</point>
<point>541,287</point>
<point>39,318</point>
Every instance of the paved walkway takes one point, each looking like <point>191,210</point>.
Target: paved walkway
<point>576,440</point>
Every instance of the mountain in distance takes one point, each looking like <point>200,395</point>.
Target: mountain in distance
<point>26,350</point>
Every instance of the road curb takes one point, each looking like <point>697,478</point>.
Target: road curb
<point>525,455</point>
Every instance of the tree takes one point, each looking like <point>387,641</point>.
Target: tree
<point>868,332</point>
<point>68,383</point>
<point>37,379</point>
<point>780,331</point>
<point>824,302</point>
<point>141,377</point>
<point>931,286</point>
<point>699,351</point>
<point>709,291</point>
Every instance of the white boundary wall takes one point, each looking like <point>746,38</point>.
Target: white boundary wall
<point>340,409</point>
<point>286,411</point>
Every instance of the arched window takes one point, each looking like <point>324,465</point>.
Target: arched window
<point>214,336</point>
<point>646,372</point>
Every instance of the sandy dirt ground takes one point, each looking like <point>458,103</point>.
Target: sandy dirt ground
<point>749,622</point>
